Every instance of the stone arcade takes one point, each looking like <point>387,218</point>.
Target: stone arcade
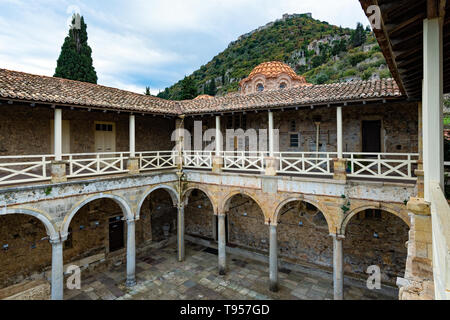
<point>89,175</point>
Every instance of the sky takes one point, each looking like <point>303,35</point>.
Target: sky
<point>139,43</point>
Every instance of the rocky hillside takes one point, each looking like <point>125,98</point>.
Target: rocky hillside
<point>323,53</point>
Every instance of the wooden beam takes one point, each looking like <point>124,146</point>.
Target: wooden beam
<point>432,9</point>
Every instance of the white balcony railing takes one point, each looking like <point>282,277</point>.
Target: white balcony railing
<point>24,169</point>
<point>156,160</point>
<point>198,159</point>
<point>440,217</point>
<point>244,161</point>
<point>95,164</point>
<point>398,166</point>
<point>307,163</point>
<point>15,169</point>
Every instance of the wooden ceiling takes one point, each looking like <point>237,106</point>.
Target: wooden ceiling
<point>401,39</point>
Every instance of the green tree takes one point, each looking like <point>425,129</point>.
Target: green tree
<point>358,36</point>
<point>147,91</point>
<point>212,88</point>
<point>75,60</point>
<point>188,88</point>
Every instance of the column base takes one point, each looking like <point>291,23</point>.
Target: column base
<point>222,271</point>
<point>133,165</point>
<point>274,287</point>
<point>340,169</point>
<point>58,171</point>
<point>217,164</point>
<point>271,166</point>
<point>130,283</point>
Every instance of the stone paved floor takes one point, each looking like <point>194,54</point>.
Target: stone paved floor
<point>161,277</point>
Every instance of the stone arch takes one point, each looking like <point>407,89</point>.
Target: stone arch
<point>172,192</point>
<point>188,191</point>
<point>225,203</point>
<point>398,213</point>
<point>126,210</point>
<point>315,204</point>
<point>41,216</point>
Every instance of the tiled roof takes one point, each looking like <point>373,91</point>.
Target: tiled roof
<point>273,69</point>
<point>305,95</point>
<point>29,87</point>
<point>33,88</point>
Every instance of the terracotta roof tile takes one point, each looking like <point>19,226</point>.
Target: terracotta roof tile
<point>28,87</point>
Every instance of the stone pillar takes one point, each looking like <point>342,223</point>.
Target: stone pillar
<point>432,104</point>
<point>338,267</point>
<point>340,147</point>
<point>222,245</point>
<point>179,140</point>
<point>58,171</point>
<point>271,166</point>
<point>271,136</point>
<point>58,134</point>
<point>340,169</point>
<point>131,254</point>
<point>57,270</point>
<point>273,259</point>
<point>132,136</point>
<point>217,164</point>
<point>133,165</point>
<point>180,231</point>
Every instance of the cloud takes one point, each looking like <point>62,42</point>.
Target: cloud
<point>139,43</point>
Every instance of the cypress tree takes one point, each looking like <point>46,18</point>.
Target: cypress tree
<point>188,89</point>
<point>147,91</point>
<point>212,90</point>
<point>75,60</point>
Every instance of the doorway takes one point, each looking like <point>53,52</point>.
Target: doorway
<point>105,137</point>
<point>116,234</point>
<point>371,136</point>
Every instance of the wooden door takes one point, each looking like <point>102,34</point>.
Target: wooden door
<point>105,137</point>
<point>116,237</point>
<point>371,136</point>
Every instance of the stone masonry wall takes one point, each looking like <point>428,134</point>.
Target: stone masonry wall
<point>376,240</point>
<point>246,224</point>
<point>303,235</point>
<point>26,131</point>
<point>26,253</point>
<point>199,215</point>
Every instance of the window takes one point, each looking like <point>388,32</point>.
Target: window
<point>294,140</point>
<point>260,87</point>
<point>103,127</point>
<point>293,126</point>
<point>283,85</point>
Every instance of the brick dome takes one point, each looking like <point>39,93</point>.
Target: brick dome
<point>273,69</point>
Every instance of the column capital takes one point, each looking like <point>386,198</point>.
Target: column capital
<point>338,237</point>
<point>59,240</point>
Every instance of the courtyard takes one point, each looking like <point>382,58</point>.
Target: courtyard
<point>160,276</point>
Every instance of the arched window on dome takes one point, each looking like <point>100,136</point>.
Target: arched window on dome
<point>283,85</point>
<point>260,87</point>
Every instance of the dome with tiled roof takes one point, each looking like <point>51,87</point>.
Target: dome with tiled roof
<point>271,76</point>
<point>203,96</point>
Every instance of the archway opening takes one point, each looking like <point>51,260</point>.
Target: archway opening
<point>96,230</point>
<point>158,218</point>
<point>376,237</point>
<point>246,224</point>
<point>303,234</point>
<point>25,252</point>
<point>199,215</point>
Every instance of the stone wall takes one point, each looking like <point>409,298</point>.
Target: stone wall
<point>399,131</point>
<point>27,253</point>
<point>376,238</point>
<point>162,212</point>
<point>199,215</point>
<point>26,130</point>
<point>303,235</point>
<point>246,225</point>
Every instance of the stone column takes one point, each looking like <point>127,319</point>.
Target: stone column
<point>338,268</point>
<point>271,136</point>
<point>131,254</point>
<point>273,259</point>
<point>340,147</point>
<point>180,231</point>
<point>432,105</point>
<point>133,162</point>
<point>57,289</point>
<point>58,167</point>
<point>222,245</point>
